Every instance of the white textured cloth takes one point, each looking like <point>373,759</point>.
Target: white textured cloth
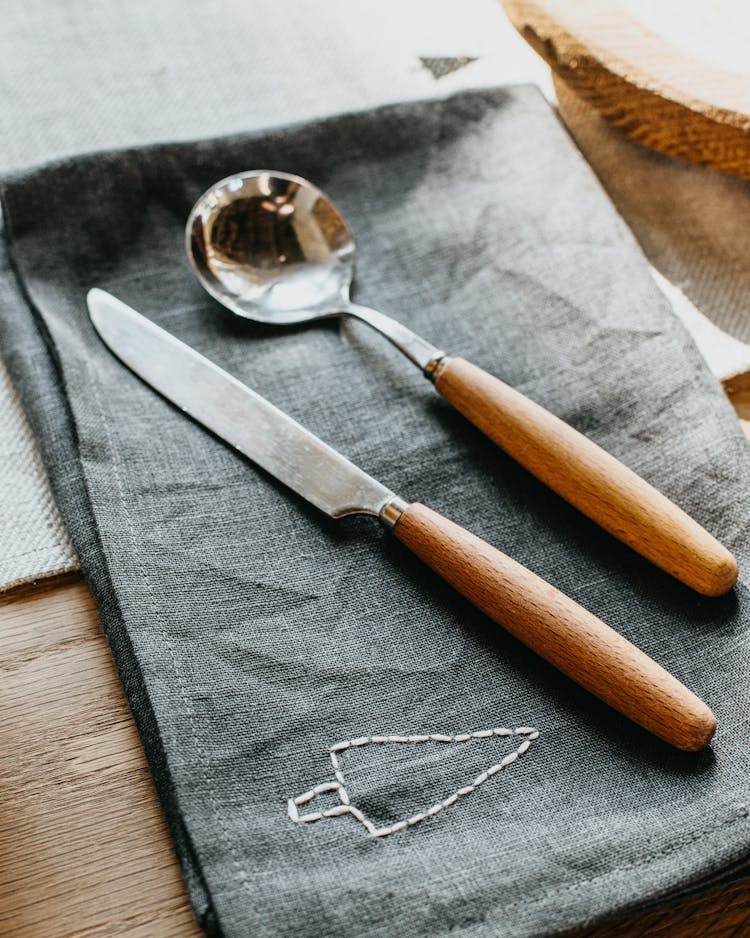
<point>34,542</point>
<point>127,74</point>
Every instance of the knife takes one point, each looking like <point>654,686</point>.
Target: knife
<point>560,630</point>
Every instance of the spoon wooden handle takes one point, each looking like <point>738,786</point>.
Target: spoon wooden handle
<point>558,629</point>
<point>588,477</point>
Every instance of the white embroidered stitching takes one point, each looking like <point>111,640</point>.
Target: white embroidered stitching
<point>346,807</point>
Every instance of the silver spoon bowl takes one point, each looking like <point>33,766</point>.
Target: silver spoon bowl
<point>273,248</point>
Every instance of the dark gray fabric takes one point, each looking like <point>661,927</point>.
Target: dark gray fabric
<point>252,632</point>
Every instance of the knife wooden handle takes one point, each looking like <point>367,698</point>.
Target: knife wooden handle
<point>589,478</point>
<point>557,628</point>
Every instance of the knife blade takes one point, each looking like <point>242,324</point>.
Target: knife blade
<point>546,620</point>
<point>235,413</point>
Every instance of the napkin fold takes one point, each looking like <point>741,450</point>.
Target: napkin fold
<point>265,648</point>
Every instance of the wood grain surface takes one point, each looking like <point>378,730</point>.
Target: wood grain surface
<point>560,630</point>
<point>84,851</point>
<point>588,477</point>
<point>658,94</point>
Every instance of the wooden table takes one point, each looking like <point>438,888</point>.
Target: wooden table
<point>84,850</point>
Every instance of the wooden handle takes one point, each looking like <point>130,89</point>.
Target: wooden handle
<point>558,629</point>
<point>586,476</point>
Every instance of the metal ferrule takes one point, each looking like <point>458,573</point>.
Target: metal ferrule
<point>392,511</point>
<point>432,368</point>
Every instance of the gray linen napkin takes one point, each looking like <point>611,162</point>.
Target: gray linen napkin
<point>252,634</point>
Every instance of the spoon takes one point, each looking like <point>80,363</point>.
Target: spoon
<point>273,248</point>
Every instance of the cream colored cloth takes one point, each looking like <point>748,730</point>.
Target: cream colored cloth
<point>34,543</point>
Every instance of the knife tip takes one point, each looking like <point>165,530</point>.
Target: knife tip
<point>93,295</point>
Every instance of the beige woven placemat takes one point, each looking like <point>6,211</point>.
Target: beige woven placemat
<point>34,543</point>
